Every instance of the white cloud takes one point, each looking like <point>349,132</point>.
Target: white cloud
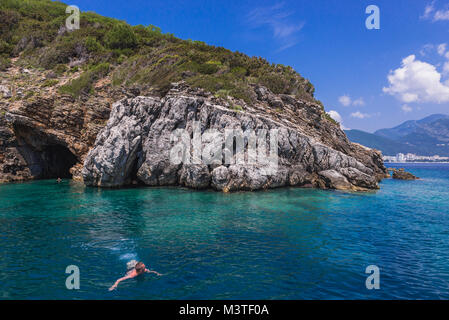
<point>360,115</point>
<point>337,117</point>
<point>430,13</point>
<point>345,100</point>
<point>428,10</point>
<point>425,49</point>
<point>406,108</point>
<point>417,81</point>
<point>441,15</point>
<point>446,70</point>
<point>358,102</point>
<point>441,49</point>
<point>277,18</point>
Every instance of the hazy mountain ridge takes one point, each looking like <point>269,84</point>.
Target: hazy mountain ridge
<point>387,146</point>
<point>428,136</point>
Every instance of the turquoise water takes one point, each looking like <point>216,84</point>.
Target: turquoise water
<point>280,244</point>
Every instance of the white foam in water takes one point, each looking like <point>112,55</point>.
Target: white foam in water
<point>128,256</point>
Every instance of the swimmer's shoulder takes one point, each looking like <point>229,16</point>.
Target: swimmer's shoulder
<point>131,273</point>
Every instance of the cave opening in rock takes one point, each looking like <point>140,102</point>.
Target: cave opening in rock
<point>57,161</point>
<point>45,155</point>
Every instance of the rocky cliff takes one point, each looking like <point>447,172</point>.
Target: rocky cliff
<point>57,137</point>
<point>44,134</point>
<point>136,145</point>
<point>101,104</point>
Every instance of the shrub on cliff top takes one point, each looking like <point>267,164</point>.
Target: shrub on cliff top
<point>121,37</point>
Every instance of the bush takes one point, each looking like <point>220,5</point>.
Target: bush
<point>121,37</point>
<point>5,48</point>
<point>59,69</point>
<point>92,45</point>
<point>83,84</point>
<point>241,91</point>
<point>239,72</point>
<point>329,118</point>
<point>275,82</point>
<point>121,59</point>
<point>208,68</point>
<point>61,53</point>
<point>5,63</point>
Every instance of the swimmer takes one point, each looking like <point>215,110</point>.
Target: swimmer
<point>138,269</point>
<point>59,180</point>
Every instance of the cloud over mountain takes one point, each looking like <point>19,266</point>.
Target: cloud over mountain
<point>417,81</point>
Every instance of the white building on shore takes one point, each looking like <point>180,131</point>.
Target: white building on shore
<point>410,157</point>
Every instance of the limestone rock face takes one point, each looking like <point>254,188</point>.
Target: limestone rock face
<point>45,134</point>
<point>115,138</point>
<point>13,166</point>
<point>334,179</point>
<point>111,162</point>
<point>195,176</point>
<point>45,138</point>
<point>5,91</point>
<point>142,140</point>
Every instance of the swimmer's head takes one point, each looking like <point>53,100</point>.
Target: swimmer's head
<point>140,267</point>
<point>131,264</point>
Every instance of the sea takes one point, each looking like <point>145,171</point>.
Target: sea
<point>288,243</point>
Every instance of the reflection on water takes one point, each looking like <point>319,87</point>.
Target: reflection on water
<point>279,244</point>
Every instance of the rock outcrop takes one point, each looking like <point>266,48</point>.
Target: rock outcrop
<point>49,135</point>
<point>140,137</point>
<point>401,174</point>
<point>44,134</point>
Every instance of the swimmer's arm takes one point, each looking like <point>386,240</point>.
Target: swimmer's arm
<point>120,280</point>
<point>151,271</point>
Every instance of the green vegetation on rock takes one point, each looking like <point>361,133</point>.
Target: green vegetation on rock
<point>50,83</point>
<point>134,55</point>
<point>329,118</point>
<point>83,84</point>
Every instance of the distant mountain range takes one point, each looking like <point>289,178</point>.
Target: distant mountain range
<point>426,137</point>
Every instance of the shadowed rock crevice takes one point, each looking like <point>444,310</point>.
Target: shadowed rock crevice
<point>45,158</point>
<point>132,177</point>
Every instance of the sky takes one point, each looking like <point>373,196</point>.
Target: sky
<point>367,79</point>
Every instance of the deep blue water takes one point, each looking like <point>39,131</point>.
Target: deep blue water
<point>280,244</point>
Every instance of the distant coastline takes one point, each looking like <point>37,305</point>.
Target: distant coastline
<point>410,157</point>
<point>408,162</point>
<point>421,140</point>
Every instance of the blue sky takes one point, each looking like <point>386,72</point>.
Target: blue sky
<point>371,79</point>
